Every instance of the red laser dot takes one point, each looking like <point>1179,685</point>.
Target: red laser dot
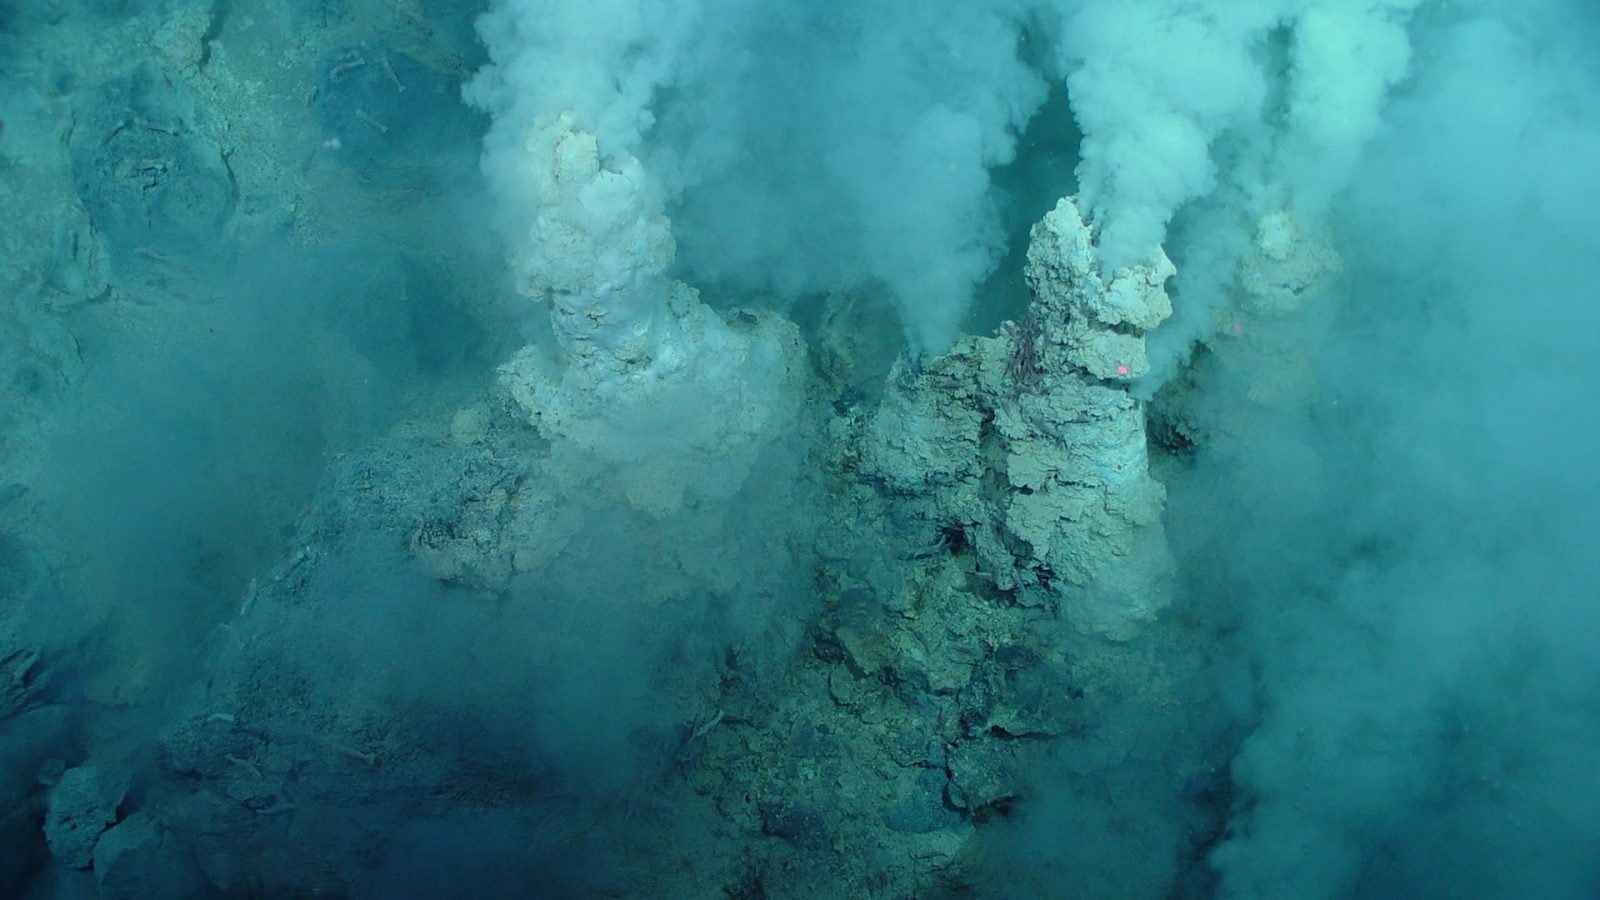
<point>1237,328</point>
<point>1122,370</point>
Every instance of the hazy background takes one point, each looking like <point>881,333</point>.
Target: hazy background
<point>1401,565</point>
<point>1416,578</point>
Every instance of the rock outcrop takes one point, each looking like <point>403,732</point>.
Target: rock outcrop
<point>1031,445</point>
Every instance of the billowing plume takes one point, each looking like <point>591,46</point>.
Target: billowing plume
<point>801,148</point>
<point>1271,99</point>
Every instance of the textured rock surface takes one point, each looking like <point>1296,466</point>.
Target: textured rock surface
<point>657,400</point>
<point>1030,444</point>
<point>464,614</point>
<point>82,805</point>
<point>133,859</point>
<point>1089,321</point>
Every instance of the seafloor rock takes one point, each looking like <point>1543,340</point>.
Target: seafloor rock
<point>658,401</point>
<point>82,805</point>
<point>133,860</point>
<point>148,169</point>
<point>1087,320</point>
<point>1030,443</point>
<point>388,116</point>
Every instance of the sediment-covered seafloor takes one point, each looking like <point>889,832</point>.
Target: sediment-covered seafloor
<point>634,449</point>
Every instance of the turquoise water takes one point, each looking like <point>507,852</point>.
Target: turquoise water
<point>634,449</point>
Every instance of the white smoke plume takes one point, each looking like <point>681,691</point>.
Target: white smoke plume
<point>1223,114</point>
<point>1428,693</point>
<point>1176,100</point>
<point>801,147</point>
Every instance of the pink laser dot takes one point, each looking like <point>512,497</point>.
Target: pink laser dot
<point>1237,328</point>
<point>1122,370</point>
